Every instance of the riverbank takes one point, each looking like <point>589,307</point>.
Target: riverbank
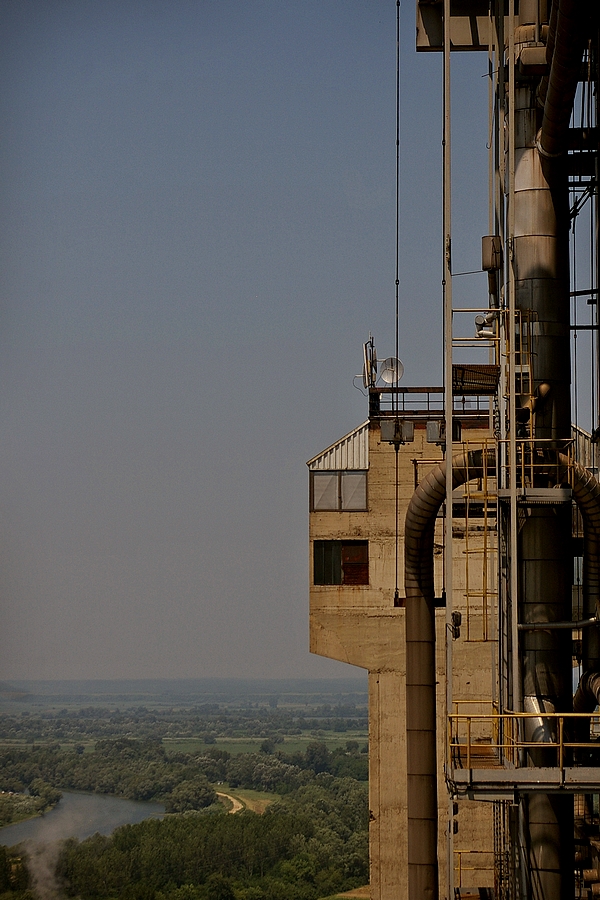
<point>80,815</point>
<point>17,806</point>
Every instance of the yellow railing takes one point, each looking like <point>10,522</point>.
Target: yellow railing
<point>535,458</point>
<point>485,858</point>
<point>487,711</point>
<point>483,740</point>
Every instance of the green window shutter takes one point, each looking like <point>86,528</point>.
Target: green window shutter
<point>327,557</point>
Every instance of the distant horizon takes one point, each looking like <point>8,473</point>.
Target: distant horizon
<point>199,678</point>
<point>175,691</point>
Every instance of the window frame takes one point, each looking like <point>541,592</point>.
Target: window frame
<point>340,476</point>
<point>330,567</point>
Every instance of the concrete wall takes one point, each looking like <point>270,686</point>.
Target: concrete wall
<point>361,626</point>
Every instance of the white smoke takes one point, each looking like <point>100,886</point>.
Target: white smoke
<point>41,863</point>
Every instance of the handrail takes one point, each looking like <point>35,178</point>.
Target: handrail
<point>470,733</point>
<point>531,460</point>
<point>460,867</point>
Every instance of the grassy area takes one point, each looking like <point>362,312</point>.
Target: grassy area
<point>362,892</point>
<point>257,801</point>
<point>293,744</point>
<point>16,807</point>
<point>197,745</point>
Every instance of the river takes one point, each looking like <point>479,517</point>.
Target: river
<point>80,815</point>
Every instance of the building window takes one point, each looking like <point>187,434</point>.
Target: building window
<point>341,562</point>
<point>345,490</point>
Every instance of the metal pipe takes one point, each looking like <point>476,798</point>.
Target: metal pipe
<point>550,42</point>
<point>587,695</point>
<point>586,492</point>
<point>553,626</point>
<point>564,75</point>
<point>420,667</point>
<point>541,285</point>
<point>586,699</point>
<point>546,816</point>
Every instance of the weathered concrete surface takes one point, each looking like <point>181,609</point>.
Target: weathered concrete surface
<point>360,625</point>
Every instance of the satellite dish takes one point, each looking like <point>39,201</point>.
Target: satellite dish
<point>392,370</point>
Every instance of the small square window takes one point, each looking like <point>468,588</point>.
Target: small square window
<point>354,490</point>
<point>325,490</point>
<point>338,490</point>
<point>341,562</point>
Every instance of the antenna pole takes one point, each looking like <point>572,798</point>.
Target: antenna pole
<point>448,398</point>
<point>397,297</point>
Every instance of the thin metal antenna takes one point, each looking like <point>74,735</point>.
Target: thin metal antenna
<point>448,395</point>
<point>397,297</point>
<point>397,354</point>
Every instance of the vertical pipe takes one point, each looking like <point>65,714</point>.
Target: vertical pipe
<point>515,698</point>
<point>420,669</point>
<point>448,395</point>
<point>550,828</point>
<point>541,290</point>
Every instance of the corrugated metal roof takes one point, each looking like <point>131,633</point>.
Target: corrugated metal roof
<point>351,452</point>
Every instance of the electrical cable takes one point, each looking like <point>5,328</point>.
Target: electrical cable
<point>395,397</point>
<point>575,392</point>
<point>397,241</point>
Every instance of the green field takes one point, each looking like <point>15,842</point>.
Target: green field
<point>294,744</point>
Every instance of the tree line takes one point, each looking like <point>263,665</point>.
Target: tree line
<point>310,843</point>
<point>313,843</point>
<point>206,721</point>
<point>145,770</point>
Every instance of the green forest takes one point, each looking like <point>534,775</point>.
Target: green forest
<point>311,841</point>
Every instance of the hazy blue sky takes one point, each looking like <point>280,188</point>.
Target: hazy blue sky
<point>197,235</point>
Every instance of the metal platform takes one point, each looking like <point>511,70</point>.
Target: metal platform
<point>503,782</point>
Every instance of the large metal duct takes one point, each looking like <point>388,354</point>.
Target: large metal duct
<point>545,578</point>
<point>542,548</point>
<point>587,695</point>
<point>586,491</point>
<point>546,816</point>
<point>541,280</point>
<point>420,668</point>
<point>541,267</point>
<point>547,685</point>
<point>565,49</point>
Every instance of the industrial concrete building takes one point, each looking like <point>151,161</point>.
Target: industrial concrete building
<point>356,547</point>
<point>455,535</point>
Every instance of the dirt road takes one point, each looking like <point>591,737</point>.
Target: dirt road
<point>236,806</point>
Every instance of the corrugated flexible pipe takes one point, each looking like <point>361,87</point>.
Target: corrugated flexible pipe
<point>586,491</point>
<point>586,699</point>
<point>587,695</point>
<point>420,667</point>
<point>420,641</point>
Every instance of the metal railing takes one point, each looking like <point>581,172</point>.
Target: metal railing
<point>536,461</point>
<point>480,546</point>
<point>482,862</point>
<point>487,740</point>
